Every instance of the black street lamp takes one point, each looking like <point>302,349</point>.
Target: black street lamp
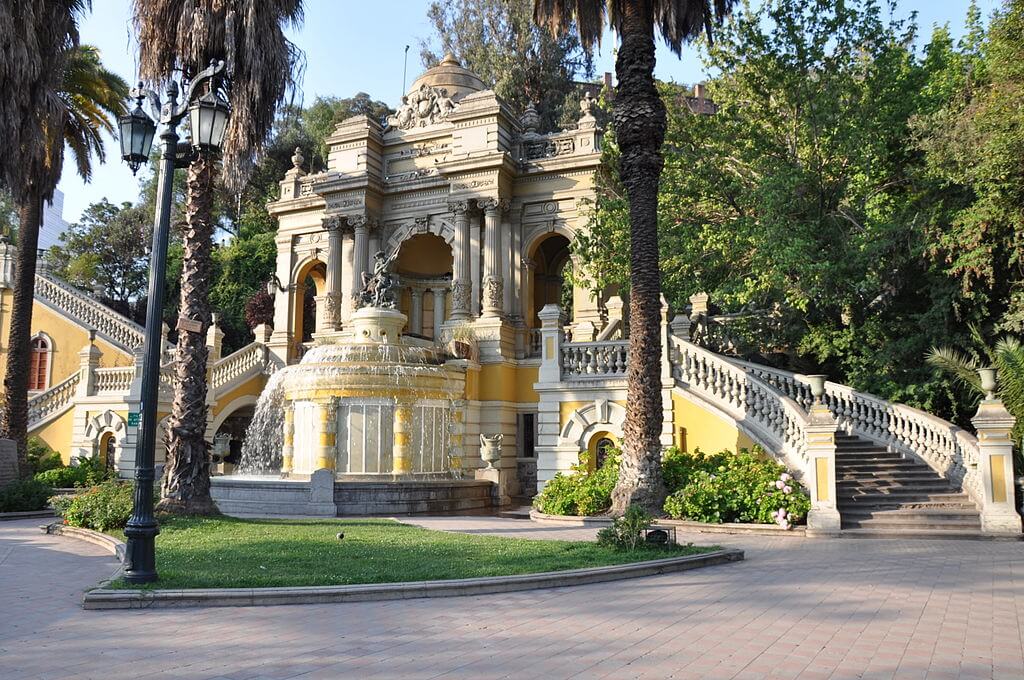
<point>208,117</point>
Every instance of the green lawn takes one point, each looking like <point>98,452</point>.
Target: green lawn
<point>244,553</point>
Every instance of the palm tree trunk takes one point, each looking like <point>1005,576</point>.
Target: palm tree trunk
<point>19,337</point>
<point>639,117</point>
<point>186,487</point>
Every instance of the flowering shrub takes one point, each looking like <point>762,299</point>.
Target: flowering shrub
<point>104,507</point>
<point>582,492</point>
<point>742,487</point>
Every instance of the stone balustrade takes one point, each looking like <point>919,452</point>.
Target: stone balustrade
<point>594,360</point>
<point>115,380</point>
<point>53,401</point>
<point>250,360</point>
<point>90,312</point>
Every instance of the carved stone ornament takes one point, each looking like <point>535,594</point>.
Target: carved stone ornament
<point>378,287</point>
<point>494,290</point>
<point>426,106</point>
<point>461,293</point>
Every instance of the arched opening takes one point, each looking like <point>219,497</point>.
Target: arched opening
<point>108,452</point>
<point>310,287</point>
<point>39,364</point>
<point>600,445</point>
<point>548,284</point>
<point>424,266</point>
<point>230,436</point>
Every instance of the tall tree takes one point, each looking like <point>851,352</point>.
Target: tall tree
<point>56,94</point>
<point>499,41</point>
<point>640,123</point>
<point>106,249</point>
<point>262,65</point>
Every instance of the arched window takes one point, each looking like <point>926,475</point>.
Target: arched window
<point>39,364</point>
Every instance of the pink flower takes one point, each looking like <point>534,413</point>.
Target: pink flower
<point>779,484</point>
<point>787,489</point>
<point>785,477</point>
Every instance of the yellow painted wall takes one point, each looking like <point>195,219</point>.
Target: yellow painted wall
<point>704,430</point>
<point>68,338</point>
<point>505,382</point>
<point>251,387</point>
<point>57,434</point>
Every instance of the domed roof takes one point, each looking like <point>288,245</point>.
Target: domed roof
<point>452,76</point>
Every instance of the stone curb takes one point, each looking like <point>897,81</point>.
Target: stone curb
<point>103,598</point>
<point>29,514</point>
<point>682,524</point>
<point>116,547</point>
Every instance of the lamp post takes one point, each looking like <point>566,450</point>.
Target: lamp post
<point>208,116</point>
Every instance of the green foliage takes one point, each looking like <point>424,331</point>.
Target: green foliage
<point>107,247</point>
<point>582,492</point>
<point>742,487</point>
<point>500,42</point>
<point>626,532</point>
<point>87,472</point>
<point>24,495</point>
<point>807,192</point>
<point>41,457</point>
<point>102,508</point>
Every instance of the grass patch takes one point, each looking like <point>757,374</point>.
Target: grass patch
<point>228,552</point>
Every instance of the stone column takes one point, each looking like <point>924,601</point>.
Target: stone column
<point>476,253</point>
<point>360,257</point>
<point>333,225</point>
<point>401,453</point>
<point>288,447</point>
<point>494,277</point>
<point>326,458</point>
<point>462,284</point>
<point>551,320</point>
<point>820,432</point>
<point>438,294</point>
<point>416,310</point>
<point>995,465</point>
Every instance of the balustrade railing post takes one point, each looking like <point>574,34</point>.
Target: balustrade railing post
<point>89,361</point>
<point>820,443</point>
<point>551,344</point>
<point>994,423</point>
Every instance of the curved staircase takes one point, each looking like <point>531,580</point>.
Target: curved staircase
<point>882,493</point>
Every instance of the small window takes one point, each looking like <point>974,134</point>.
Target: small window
<point>39,364</point>
<point>528,435</point>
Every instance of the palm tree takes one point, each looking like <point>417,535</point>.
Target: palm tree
<point>262,68</point>
<point>639,120</point>
<point>54,94</point>
<point>1007,357</point>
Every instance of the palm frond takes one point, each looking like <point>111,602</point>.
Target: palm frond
<point>958,365</point>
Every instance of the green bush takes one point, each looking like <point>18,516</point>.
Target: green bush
<point>24,495</point>
<point>582,492</point>
<point>88,472</point>
<point>742,487</point>
<point>41,457</point>
<point>103,507</point>
<point>626,532</point>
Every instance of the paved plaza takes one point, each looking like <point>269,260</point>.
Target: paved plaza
<point>796,608</point>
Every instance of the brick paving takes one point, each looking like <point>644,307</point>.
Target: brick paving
<point>797,608</point>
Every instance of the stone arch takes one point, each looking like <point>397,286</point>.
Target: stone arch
<point>537,233</point>
<point>316,269</point>
<point>102,426</point>
<point>602,416</point>
<point>232,406</point>
<point>438,227</point>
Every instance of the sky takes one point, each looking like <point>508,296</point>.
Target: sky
<point>356,46</point>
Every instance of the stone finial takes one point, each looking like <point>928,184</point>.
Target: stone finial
<point>298,159</point>
<point>699,304</point>
<point>530,119</point>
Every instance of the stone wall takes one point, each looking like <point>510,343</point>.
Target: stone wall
<point>8,462</point>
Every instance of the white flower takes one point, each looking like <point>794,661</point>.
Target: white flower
<point>787,489</point>
<point>779,484</point>
<point>785,477</point>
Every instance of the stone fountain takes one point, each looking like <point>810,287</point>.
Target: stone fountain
<point>367,423</point>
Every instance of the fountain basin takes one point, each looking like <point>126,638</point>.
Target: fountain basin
<point>324,496</point>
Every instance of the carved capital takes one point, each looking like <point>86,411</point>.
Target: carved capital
<point>493,204</point>
<point>333,223</point>
<point>458,207</point>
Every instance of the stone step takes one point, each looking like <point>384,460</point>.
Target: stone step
<point>936,516</point>
<point>862,448</point>
<point>932,534</point>
<point>900,477</point>
<point>513,512</point>
<point>882,456</point>
<point>887,485</point>
<point>847,506</point>
<point>893,465</point>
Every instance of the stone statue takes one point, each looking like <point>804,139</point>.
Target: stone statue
<point>425,106</point>
<point>378,286</point>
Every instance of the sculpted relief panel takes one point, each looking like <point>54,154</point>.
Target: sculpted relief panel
<point>426,106</point>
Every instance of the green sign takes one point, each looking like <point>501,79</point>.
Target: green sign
<point>133,420</point>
